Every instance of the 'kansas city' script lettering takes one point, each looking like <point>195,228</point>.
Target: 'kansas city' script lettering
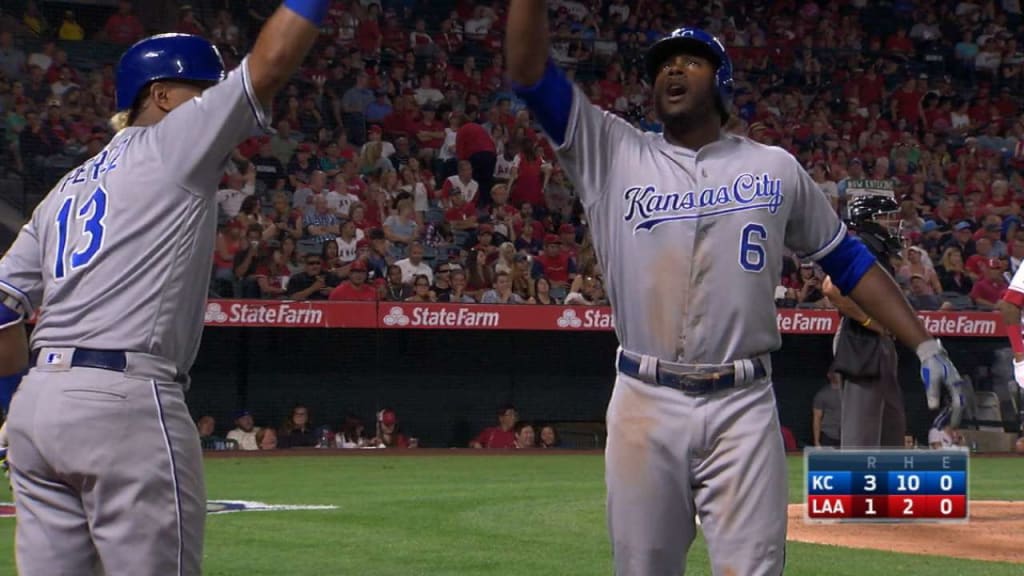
<point>649,208</point>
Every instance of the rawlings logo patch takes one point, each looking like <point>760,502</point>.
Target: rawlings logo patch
<point>216,507</point>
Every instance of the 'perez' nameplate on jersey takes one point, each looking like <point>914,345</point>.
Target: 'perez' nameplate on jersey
<point>886,485</point>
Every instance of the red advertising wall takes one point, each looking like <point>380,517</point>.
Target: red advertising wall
<point>445,316</point>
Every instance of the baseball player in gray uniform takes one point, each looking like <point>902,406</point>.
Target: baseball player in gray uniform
<point>690,228</point>
<point>105,460</point>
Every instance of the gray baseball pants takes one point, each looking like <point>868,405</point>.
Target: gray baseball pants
<point>873,413</point>
<point>106,469</point>
<point>670,456</point>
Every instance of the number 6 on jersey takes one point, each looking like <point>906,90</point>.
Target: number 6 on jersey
<point>93,210</point>
<point>752,255</point>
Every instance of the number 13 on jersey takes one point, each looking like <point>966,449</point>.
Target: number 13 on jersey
<point>87,219</point>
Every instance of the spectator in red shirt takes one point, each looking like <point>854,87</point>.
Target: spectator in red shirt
<point>556,265</point>
<point>123,27</point>
<point>567,233</point>
<point>462,215</point>
<point>529,175</point>
<point>368,35</point>
<point>355,288</point>
<point>188,23</point>
<point>473,143</point>
<point>429,133</point>
<point>501,436</point>
<point>990,289</point>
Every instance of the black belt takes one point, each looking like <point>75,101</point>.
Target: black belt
<point>115,360</point>
<point>693,384</point>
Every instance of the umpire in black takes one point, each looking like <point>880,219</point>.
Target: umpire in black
<point>864,354</point>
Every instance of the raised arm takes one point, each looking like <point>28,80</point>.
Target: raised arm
<point>282,45</point>
<point>526,41</point>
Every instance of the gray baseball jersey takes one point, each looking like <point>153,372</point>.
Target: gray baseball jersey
<point>118,255</point>
<point>692,245</point>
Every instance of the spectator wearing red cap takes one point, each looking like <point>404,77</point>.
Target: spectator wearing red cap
<point>501,436</point>
<point>473,143</point>
<point>554,264</point>
<point>387,432</point>
<point>485,239</point>
<point>989,289</point>
<point>567,234</point>
<point>355,288</point>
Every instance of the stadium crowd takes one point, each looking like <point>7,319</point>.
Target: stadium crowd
<point>299,431</point>
<point>404,168</point>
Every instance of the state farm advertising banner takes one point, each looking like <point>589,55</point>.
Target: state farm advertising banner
<point>493,317</point>
<point>289,314</point>
<point>446,316</point>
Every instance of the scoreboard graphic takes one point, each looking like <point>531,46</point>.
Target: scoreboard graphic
<point>885,485</point>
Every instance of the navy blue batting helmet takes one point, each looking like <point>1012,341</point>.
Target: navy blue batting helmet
<point>696,41</point>
<point>166,57</point>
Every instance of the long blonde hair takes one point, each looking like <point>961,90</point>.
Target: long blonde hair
<point>121,120</point>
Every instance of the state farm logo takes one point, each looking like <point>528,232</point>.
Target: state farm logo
<point>215,314</point>
<point>569,319</point>
<point>264,313</point>
<point>396,317</point>
<point>592,318</point>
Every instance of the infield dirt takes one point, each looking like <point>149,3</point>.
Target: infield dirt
<point>993,533</point>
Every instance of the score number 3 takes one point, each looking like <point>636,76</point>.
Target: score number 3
<point>94,210</point>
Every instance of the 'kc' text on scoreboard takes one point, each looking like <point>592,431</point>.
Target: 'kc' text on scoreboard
<point>886,485</point>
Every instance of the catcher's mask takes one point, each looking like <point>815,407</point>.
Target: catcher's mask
<point>876,220</point>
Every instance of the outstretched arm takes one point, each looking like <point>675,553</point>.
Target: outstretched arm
<point>880,298</point>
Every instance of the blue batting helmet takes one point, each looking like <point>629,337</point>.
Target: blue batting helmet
<point>166,57</point>
<point>698,42</point>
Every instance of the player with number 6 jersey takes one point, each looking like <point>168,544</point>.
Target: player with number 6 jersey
<point>690,228</point>
<point>105,460</point>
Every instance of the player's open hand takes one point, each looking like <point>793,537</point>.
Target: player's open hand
<point>938,372</point>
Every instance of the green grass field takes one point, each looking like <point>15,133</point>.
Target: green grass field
<point>468,515</point>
